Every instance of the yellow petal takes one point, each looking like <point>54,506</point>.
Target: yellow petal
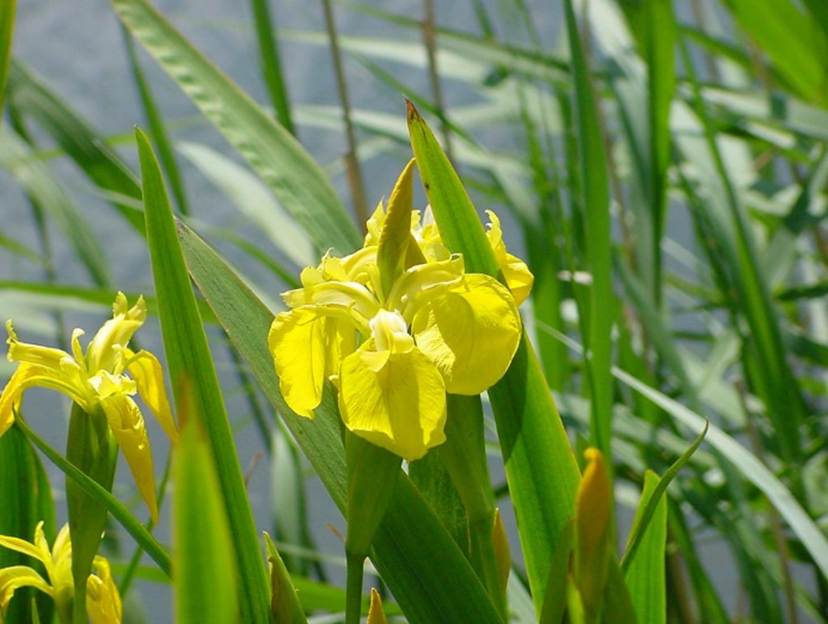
<point>15,577</point>
<point>104,352</point>
<point>128,427</point>
<point>470,332</point>
<point>518,276</point>
<point>22,546</point>
<point>375,614</point>
<point>592,521</point>
<point>103,602</point>
<point>66,381</point>
<point>149,378</point>
<point>394,400</point>
<point>297,341</point>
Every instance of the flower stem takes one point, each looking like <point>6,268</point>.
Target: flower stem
<point>353,591</point>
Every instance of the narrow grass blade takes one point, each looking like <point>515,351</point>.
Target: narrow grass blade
<point>43,189</point>
<point>272,73</point>
<point>540,466</point>
<point>596,217</point>
<point>7,13</point>
<point>118,510</point>
<point>411,538</point>
<point>157,127</point>
<point>21,508</point>
<point>76,137</point>
<point>205,568</point>
<point>652,501</point>
<point>191,367</point>
<point>295,179</point>
<point>645,575</point>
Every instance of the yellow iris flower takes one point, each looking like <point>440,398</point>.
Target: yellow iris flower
<point>103,602</point>
<point>106,377</point>
<point>394,353</point>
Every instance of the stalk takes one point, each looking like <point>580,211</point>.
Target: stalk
<point>353,588</point>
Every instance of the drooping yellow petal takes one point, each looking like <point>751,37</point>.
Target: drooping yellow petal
<point>103,602</point>
<point>105,349</point>
<point>149,379</point>
<point>127,425</point>
<point>470,333</point>
<point>518,276</point>
<point>15,577</point>
<point>26,548</point>
<point>297,342</point>
<point>66,381</point>
<point>394,400</point>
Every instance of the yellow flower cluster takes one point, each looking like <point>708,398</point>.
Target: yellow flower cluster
<point>106,377</point>
<point>103,602</point>
<point>395,345</point>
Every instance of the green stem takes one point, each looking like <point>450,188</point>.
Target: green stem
<point>353,591</point>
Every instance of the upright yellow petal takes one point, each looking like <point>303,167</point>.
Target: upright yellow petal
<point>471,333</point>
<point>128,427</point>
<point>394,400</point>
<point>61,576</point>
<point>105,349</point>
<point>375,613</point>
<point>15,577</point>
<point>146,370</point>
<point>103,602</point>
<point>297,342</point>
<point>518,276</point>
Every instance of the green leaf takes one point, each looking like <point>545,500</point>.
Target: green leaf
<point>292,175</point>
<point>76,137</point>
<point>540,467</point>
<point>284,605</point>
<point>157,127</point>
<point>118,510</point>
<point>554,600</point>
<point>792,39</point>
<point>21,508</point>
<point>272,73</point>
<point>191,369</point>
<point>7,12</point>
<point>416,557</point>
<point>254,200</point>
<point>595,206</point>
<point>205,567</point>
<point>645,575</point>
<point>35,178</point>
<point>649,506</point>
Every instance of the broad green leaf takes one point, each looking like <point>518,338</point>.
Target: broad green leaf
<point>540,467</point>
<point>205,567</point>
<point>288,170</point>
<point>417,558</point>
<point>792,39</point>
<point>7,12</point>
<point>76,137</point>
<point>595,207</point>
<point>192,370</point>
<point>645,575</point>
<point>115,507</point>
<point>253,200</point>
<point>554,599</point>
